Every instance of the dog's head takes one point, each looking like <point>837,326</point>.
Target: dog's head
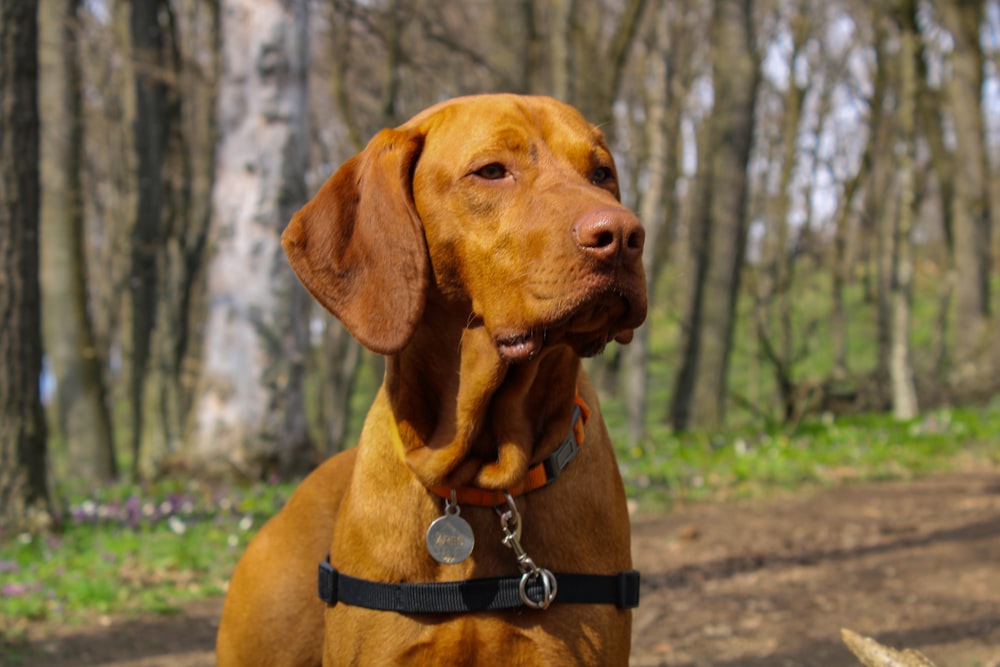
<point>507,207</point>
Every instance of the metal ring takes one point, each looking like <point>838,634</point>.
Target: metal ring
<point>549,588</point>
<point>451,507</point>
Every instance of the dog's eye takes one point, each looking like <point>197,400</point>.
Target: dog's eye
<point>492,172</point>
<point>601,175</point>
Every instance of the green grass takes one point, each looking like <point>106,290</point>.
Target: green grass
<point>130,549</point>
<point>823,450</point>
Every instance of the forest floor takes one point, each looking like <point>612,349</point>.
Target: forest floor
<point>915,564</point>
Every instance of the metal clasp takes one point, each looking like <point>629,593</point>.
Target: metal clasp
<point>510,524</point>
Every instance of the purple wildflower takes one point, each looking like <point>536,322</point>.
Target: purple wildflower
<point>12,590</point>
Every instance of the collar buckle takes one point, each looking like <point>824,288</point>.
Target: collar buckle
<point>565,452</point>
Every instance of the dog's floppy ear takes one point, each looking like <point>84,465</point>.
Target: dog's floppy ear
<point>359,248</point>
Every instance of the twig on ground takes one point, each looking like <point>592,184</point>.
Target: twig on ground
<point>873,654</point>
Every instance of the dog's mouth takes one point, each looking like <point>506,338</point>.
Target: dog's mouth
<point>587,328</point>
<point>520,347</point>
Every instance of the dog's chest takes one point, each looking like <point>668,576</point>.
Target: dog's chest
<point>553,637</point>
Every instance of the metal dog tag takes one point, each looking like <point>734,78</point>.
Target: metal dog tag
<point>449,538</point>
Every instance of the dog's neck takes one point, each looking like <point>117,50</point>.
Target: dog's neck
<point>468,418</point>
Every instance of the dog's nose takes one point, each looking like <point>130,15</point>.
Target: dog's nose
<point>609,234</point>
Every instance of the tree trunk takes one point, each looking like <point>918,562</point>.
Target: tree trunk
<point>390,74</point>
<point>781,257</point>
<point>878,223</point>
<point>25,503</point>
<point>109,184</point>
<point>775,283</point>
<point>248,414</point>
<point>340,360</point>
<point>187,168</point>
<point>80,402</point>
<point>559,47</point>
<point>651,216</point>
<point>518,65</point>
<point>597,63</point>
<point>929,110</point>
<point>904,393</point>
<point>970,213</point>
<point>682,70</point>
<point>147,234</point>
<point>720,230</point>
<point>841,269</point>
<point>340,58</point>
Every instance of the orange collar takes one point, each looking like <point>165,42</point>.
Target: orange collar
<point>541,474</point>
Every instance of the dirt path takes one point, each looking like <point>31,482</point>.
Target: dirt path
<point>757,584</point>
<point>915,565</point>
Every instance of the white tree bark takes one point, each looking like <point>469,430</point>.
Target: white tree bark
<point>248,412</point>
<point>904,393</point>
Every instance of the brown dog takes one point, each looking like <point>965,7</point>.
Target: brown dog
<point>482,247</point>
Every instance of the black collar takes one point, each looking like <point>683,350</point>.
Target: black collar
<point>472,595</point>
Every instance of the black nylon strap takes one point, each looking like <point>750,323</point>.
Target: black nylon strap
<point>621,590</point>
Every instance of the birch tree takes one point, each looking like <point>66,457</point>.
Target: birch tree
<point>904,395</point>
<point>248,412</point>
